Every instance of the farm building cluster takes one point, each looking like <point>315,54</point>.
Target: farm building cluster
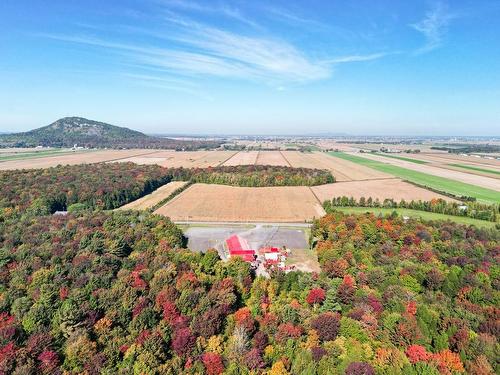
<point>270,258</point>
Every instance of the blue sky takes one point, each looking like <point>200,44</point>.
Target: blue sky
<point>392,67</point>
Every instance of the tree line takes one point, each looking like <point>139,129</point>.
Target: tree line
<point>470,209</point>
<point>111,185</point>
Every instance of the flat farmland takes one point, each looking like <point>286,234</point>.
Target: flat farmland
<point>271,158</point>
<point>77,157</point>
<point>243,158</point>
<point>220,203</point>
<point>186,159</point>
<point>453,158</point>
<point>343,170</point>
<point>476,169</point>
<point>382,189</point>
<point>468,178</point>
<point>487,170</point>
<point>439,183</point>
<point>155,197</point>
<point>214,158</point>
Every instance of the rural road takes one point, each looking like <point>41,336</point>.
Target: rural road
<point>239,223</point>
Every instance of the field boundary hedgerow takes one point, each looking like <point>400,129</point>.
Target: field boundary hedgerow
<point>424,215</point>
<point>170,197</point>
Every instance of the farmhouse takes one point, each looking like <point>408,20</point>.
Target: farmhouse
<point>270,253</point>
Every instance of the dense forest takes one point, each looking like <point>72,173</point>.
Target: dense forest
<point>261,175</point>
<point>70,131</point>
<point>115,293</point>
<point>111,185</point>
<point>470,209</point>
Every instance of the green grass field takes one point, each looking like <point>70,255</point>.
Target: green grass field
<point>456,188</point>
<point>419,214</point>
<point>475,168</point>
<point>35,154</point>
<point>403,158</point>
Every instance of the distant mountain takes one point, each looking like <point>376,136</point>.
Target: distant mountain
<point>70,131</point>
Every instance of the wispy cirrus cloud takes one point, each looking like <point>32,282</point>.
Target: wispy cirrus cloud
<point>359,58</point>
<point>214,9</point>
<point>191,50</point>
<point>434,26</point>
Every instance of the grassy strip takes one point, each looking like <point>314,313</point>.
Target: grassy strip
<point>35,155</point>
<point>418,214</point>
<point>436,183</point>
<point>170,197</point>
<point>416,161</point>
<point>475,168</point>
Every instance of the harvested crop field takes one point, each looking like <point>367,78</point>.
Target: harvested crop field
<point>382,189</point>
<point>271,158</point>
<point>77,157</point>
<point>186,159</point>
<point>243,158</point>
<point>343,170</point>
<point>155,197</point>
<point>220,203</point>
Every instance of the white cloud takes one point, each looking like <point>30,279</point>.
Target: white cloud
<point>186,49</point>
<point>357,58</point>
<point>222,10</point>
<point>434,27</point>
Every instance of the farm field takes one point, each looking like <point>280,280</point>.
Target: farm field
<point>419,214</point>
<point>468,178</point>
<point>343,170</point>
<point>391,188</point>
<point>476,169</point>
<point>243,158</point>
<point>454,158</point>
<point>434,182</point>
<point>409,159</point>
<point>5,156</point>
<point>78,157</point>
<point>155,197</point>
<point>271,158</point>
<point>435,161</point>
<point>221,203</point>
<point>186,159</point>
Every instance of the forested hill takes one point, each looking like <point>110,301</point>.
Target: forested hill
<point>68,131</point>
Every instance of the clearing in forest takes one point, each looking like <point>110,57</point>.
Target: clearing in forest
<point>221,203</point>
